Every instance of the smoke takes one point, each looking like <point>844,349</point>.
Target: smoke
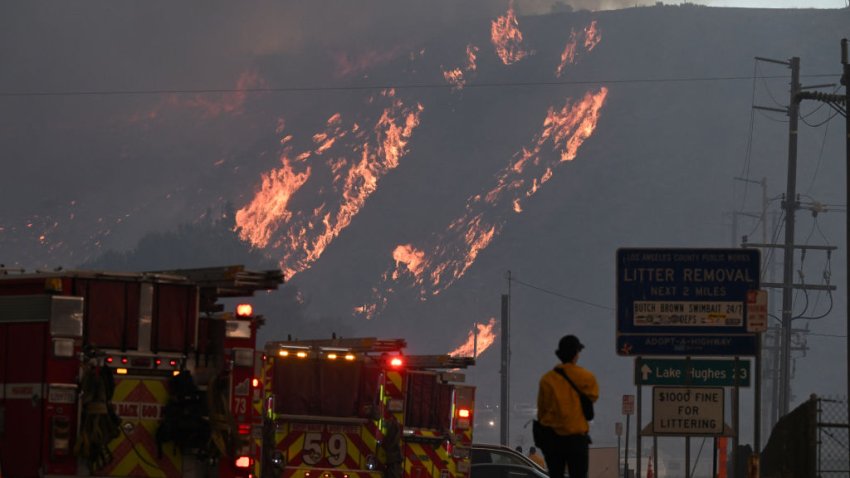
<point>543,7</point>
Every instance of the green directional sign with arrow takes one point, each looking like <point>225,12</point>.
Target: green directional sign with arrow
<point>692,372</point>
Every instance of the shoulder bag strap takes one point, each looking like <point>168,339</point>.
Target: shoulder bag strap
<point>563,374</point>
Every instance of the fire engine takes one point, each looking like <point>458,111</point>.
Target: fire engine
<point>360,407</point>
<point>129,374</point>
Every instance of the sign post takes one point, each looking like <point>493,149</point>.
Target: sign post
<point>628,411</point>
<point>618,430</point>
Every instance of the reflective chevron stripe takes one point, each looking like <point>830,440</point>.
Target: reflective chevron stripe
<point>139,403</point>
<point>313,446</point>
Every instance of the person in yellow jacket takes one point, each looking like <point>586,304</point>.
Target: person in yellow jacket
<point>536,457</point>
<point>559,408</point>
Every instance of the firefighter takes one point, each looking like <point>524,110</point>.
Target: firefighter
<point>183,420</point>
<point>392,449</point>
<point>100,424</point>
<point>559,408</point>
<point>536,457</point>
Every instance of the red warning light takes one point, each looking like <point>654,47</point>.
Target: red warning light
<point>244,310</point>
<point>255,383</point>
<point>396,362</point>
<point>463,413</point>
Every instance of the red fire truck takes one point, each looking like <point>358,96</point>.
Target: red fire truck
<point>129,374</point>
<point>360,407</point>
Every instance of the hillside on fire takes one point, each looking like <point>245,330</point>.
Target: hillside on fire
<point>403,183</point>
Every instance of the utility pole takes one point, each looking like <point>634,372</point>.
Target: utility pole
<point>759,339</point>
<point>845,80</point>
<point>504,413</point>
<point>841,104</point>
<point>790,206</point>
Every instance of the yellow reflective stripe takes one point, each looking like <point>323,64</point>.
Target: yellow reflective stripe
<point>130,458</point>
<point>135,456</point>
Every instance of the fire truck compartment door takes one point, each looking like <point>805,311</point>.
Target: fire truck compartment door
<point>22,358</point>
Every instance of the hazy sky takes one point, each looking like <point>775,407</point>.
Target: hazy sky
<point>776,3</point>
<point>545,5</point>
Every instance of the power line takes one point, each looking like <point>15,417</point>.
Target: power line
<point>558,294</point>
<point>818,125</point>
<point>748,152</point>
<point>414,86</point>
<point>767,89</point>
<point>820,154</point>
<point>837,336</point>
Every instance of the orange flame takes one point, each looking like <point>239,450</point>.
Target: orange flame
<point>259,219</point>
<point>506,38</point>
<point>486,338</point>
<point>471,57</point>
<point>303,235</point>
<point>569,54</point>
<point>592,36</point>
<point>452,253</point>
<point>412,258</point>
<point>456,76</point>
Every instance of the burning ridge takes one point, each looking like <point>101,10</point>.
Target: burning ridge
<point>347,162</point>
<point>447,256</point>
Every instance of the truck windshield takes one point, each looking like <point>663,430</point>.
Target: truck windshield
<point>326,388</point>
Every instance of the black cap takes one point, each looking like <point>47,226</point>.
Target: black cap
<point>568,347</point>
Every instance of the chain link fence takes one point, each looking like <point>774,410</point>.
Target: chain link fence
<point>833,438</point>
<point>812,441</point>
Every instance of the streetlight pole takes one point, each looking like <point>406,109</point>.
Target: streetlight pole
<point>845,80</point>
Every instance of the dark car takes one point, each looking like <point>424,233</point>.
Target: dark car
<point>483,454</point>
<point>505,470</point>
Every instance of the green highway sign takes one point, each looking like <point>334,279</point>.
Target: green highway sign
<point>693,372</point>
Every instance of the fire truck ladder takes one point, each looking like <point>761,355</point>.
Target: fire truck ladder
<point>356,345</point>
<point>228,281</point>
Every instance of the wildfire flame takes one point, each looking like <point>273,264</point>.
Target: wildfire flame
<point>506,37</point>
<point>569,54</point>
<point>456,77</point>
<point>592,36</point>
<point>485,338</point>
<point>471,57</point>
<point>304,234</point>
<point>452,253</point>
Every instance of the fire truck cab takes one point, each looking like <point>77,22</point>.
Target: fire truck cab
<point>360,407</point>
<point>110,374</point>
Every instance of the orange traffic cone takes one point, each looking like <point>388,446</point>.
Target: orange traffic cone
<point>649,469</point>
